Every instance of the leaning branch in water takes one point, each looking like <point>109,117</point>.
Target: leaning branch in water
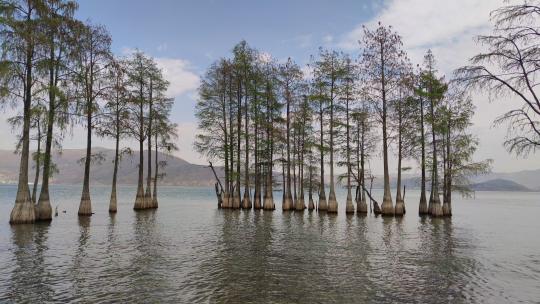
<point>368,192</point>
<point>215,174</point>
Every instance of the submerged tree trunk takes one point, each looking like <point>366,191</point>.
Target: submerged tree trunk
<point>85,207</point>
<point>423,207</point>
<point>400,204</point>
<point>23,210</point>
<point>268,203</point>
<point>156,174</point>
<point>148,194</point>
<point>311,203</point>
<point>332,201</point>
<point>349,207</point>
<point>322,206</point>
<point>287,198</point>
<point>236,196</point>
<point>447,205</point>
<point>113,200</point>
<point>387,207</point>
<point>38,164</point>
<point>435,209</point>
<point>140,197</point>
<point>361,204</point>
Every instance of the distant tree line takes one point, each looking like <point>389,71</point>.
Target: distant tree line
<point>273,125</point>
<point>60,72</point>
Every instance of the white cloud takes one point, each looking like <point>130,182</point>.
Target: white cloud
<point>449,28</point>
<point>180,75</point>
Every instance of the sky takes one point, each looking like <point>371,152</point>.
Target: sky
<point>185,37</point>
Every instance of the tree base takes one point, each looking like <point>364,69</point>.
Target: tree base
<point>300,205</point>
<point>139,203</point>
<point>268,203</point>
<point>113,205</point>
<point>155,203</point>
<point>246,202</point>
<point>349,207</point>
<point>23,212</point>
<point>236,201</point>
<point>447,209</point>
<point>257,203</point>
<point>387,208</point>
<point>287,204</point>
<point>399,210</point>
<point>323,205</point>
<point>361,207</point>
<point>85,208</point>
<point>436,209</point>
<point>332,205</point>
<point>43,210</point>
<point>311,205</point>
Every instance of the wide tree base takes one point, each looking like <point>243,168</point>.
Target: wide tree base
<point>236,202</point>
<point>113,205</point>
<point>436,209</point>
<point>287,204</point>
<point>139,203</point>
<point>311,205</point>
<point>332,206</point>
<point>257,203</point>
<point>399,210</point>
<point>43,210</point>
<point>387,208</point>
<point>349,207</point>
<point>268,204</point>
<point>323,205</point>
<point>85,208</point>
<point>376,208</point>
<point>423,208</point>
<point>361,207</point>
<point>246,202</point>
<point>447,209</point>
<point>23,212</point>
<point>300,205</point>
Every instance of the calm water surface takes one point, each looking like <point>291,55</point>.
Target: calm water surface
<point>188,251</point>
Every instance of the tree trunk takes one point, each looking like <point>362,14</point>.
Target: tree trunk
<point>85,207</point>
<point>140,197</point>
<point>387,207</point>
<point>332,202</point>
<point>361,205</point>
<point>23,210</point>
<point>113,200</point>
<point>349,207</point>
<point>148,194</point>
<point>155,203</point>
<point>423,207</point>
<point>38,165</point>
<point>287,198</point>
<point>447,206</point>
<point>400,204</point>
<point>268,194</point>
<point>323,206</point>
<point>236,197</point>
<point>436,208</point>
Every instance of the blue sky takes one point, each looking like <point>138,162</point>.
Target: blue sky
<point>185,37</point>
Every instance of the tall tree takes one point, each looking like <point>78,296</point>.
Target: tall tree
<point>115,118</point>
<point>290,77</point>
<point>21,36</point>
<point>58,50</point>
<point>139,68</point>
<point>91,59</point>
<point>382,59</point>
<point>435,89</point>
<point>329,70</point>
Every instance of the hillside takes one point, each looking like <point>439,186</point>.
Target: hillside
<point>178,171</point>
<point>499,185</point>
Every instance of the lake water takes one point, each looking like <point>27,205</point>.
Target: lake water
<point>188,251</point>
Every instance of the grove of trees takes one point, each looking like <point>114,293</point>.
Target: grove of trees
<point>258,116</point>
<point>61,72</point>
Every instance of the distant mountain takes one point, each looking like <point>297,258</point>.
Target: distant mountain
<point>527,178</point>
<point>182,173</point>
<point>499,185</point>
<point>178,171</point>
